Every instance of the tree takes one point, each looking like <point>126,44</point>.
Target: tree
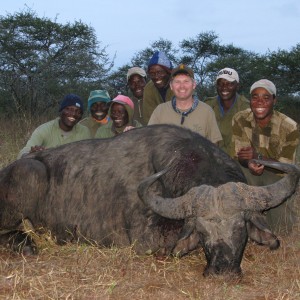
<point>142,57</point>
<point>284,70</point>
<point>247,64</point>
<point>206,56</point>
<point>198,52</point>
<point>41,60</point>
<point>117,83</point>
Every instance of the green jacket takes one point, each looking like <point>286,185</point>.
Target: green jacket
<point>92,124</point>
<point>224,120</point>
<point>107,130</point>
<point>138,108</point>
<point>50,135</point>
<point>152,98</point>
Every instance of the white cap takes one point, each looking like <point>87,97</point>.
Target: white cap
<point>136,70</point>
<point>266,84</point>
<point>228,74</point>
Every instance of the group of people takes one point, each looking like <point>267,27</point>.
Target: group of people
<point>243,129</point>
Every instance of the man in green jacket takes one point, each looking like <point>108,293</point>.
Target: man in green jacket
<point>136,81</point>
<point>157,90</point>
<point>98,106</point>
<point>62,130</point>
<point>226,104</point>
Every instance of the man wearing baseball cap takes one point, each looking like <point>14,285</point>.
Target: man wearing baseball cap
<point>227,103</point>
<point>98,106</point>
<point>260,132</point>
<point>62,130</point>
<point>185,109</point>
<point>136,80</point>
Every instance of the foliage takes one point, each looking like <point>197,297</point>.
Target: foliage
<point>117,83</point>
<point>290,106</point>
<point>41,60</point>
<point>142,57</point>
<point>284,69</point>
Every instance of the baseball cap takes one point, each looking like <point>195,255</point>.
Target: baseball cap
<point>121,99</point>
<point>266,84</point>
<point>182,69</point>
<point>98,96</point>
<point>228,74</point>
<point>136,70</point>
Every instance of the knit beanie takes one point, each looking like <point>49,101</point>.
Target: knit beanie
<point>160,58</point>
<point>71,100</point>
<point>98,96</point>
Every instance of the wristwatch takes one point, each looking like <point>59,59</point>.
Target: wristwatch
<point>259,156</point>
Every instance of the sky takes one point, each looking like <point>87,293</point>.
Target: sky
<point>127,27</point>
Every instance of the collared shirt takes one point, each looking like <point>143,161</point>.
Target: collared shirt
<point>201,120</point>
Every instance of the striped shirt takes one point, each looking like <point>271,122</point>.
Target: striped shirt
<point>278,140</point>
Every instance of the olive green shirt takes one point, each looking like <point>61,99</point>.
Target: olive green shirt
<point>51,135</point>
<point>92,124</point>
<point>202,120</point>
<point>224,119</point>
<point>107,130</point>
<point>152,98</point>
<point>138,108</point>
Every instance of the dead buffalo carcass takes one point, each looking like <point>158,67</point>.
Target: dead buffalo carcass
<point>220,218</point>
<point>88,190</point>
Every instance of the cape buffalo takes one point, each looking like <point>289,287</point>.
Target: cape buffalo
<point>89,190</point>
<point>219,217</point>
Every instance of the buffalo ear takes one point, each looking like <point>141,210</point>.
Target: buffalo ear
<point>259,231</point>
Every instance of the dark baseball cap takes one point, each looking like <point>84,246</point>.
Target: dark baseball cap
<point>182,69</point>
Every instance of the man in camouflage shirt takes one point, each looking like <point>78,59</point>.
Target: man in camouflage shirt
<point>263,133</point>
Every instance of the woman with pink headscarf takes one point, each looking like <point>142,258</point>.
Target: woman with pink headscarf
<point>121,113</point>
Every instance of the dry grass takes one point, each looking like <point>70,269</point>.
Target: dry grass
<point>87,272</point>
<point>13,136</point>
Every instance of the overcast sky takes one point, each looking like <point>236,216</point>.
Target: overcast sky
<point>127,27</point>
